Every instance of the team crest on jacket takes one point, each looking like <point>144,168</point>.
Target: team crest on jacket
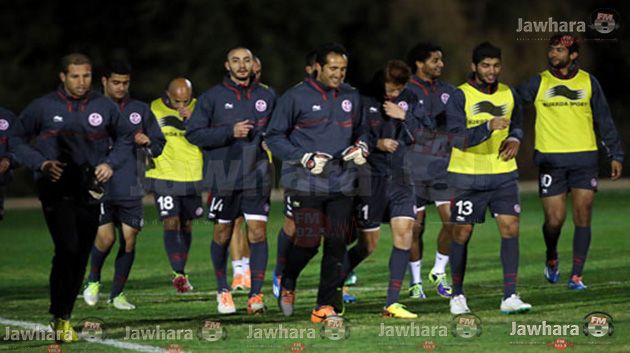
<point>444,97</point>
<point>95,119</point>
<point>135,118</point>
<point>4,125</point>
<point>403,105</point>
<point>346,105</point>
<point>261,105</point>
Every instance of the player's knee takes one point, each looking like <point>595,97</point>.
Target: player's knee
<point>256,234</point>
<point>509,230</point>
<point>554,222</point>
<point>461,233</point>
<point>222,233</point>
<point>171,224</point>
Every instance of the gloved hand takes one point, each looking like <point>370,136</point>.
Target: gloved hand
<point>357,153</point>
<point>315,161</point>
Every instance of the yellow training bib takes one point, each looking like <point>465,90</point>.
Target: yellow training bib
<point>564,118</point>
<point>484,157</point>
<point>180,160</point>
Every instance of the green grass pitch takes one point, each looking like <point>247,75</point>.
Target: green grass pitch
<point>27,250</point>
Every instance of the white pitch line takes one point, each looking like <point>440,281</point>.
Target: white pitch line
<point>107,342</point>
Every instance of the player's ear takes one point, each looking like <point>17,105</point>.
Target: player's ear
<point>574,55</point>
<point>62,76</point>
<point>227,66</point>
<point>473,67</point>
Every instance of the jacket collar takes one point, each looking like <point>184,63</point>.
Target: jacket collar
<point>321,88</point>
<point>482,87</point>
<point>573,70</point>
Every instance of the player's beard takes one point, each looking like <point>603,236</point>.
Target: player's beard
<point>561,64</point>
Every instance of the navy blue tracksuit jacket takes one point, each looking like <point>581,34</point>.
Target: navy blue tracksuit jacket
<point>311,117</point>
<point>229,163</point>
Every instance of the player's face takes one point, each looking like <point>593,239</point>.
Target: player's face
<point>77,80</point>
<point>116,86</point>
<point>334,72</point>
<point>432,67</point>
<point>179,98</point>
<point>239,64</point>
<point>392,90</point>
<point>559,57</point>
<point>488,70</point>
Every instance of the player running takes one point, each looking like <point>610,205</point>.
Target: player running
<point>176,177</point>
<point>228,124</point>
<point>428,161</point>
<point>571,110</point>
<point>487,119</point>
<point>122,205</point>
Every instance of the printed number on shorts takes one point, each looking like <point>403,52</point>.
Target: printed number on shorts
<point>216,205</point>
<point>364,212</point>
<point>545,180</point>
<point>464,208</point>
<point>166,202</point>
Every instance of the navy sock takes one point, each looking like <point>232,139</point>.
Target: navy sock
<point>176,250</point>
<point>296,261</point>
<point>353,258</point>
<point>124,261</point>
<point>219,255</point>
<point>459,253</point>
<point>258,265</point>
<point>509,260</point>
<point>187,239</point>
<point>284,247</point>
<point>96,263</point>
<point>581,243</point>
<point>551,240</point>
<point>397,266</point>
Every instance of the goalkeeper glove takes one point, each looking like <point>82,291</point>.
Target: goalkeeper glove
<point>315,161</point>
<point>357,153</point>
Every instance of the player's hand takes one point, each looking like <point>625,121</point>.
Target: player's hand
<point>357,153</point>
<point>387,145</point>
<point>5,164</point>
<point>393,110</point>
<point>616,168</point>
<point>184,112</point>
<point>52,168</point>
<point>509,148</point>
<point>141,139</point>
<point>315,161</point>
<point>498,123</point>
<point>242,128</point>
<point>103,172</point>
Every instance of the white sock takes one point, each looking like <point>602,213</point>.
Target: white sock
<point>440,263</point>
<point>414,268</point>
<point>237,267</point>
<point>245,263</point>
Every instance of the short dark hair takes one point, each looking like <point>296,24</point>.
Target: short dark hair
<point>119,67</point>
<point>396,71</point>
<point>325,49</point>
<point>311,58</point>
<point>485,50</point>
<point>421,52</point>
<point>567,40</point>
<point>227,53</point>
<point>74,59</point>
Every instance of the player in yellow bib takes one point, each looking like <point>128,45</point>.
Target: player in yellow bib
<point>486,120</point>
<point>176,178</point>
<point>570,108</point>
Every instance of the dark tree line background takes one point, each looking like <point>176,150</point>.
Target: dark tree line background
<point>164,39</point>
